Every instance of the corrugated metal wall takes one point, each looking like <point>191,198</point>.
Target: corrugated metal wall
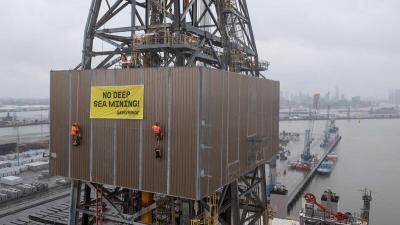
<point>239,126</point>
<point>210,118</point>
<point>59,123</point>
<point>80,94</point>
<point>183,134</point>
<point>154,176</point>
<point>127,135</point>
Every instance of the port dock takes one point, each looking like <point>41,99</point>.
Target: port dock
<point>299,188</point>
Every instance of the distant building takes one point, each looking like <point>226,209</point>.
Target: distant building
<point>327,96</point>
<point>356,101</point>
<point>394,97</point>
<point>7,118</point>
<point>385,111</point>
<point>337,92</point>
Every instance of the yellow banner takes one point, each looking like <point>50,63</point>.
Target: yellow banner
<point>117,102</point>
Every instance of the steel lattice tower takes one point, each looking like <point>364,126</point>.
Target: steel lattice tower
<point>172,33</point>
<point>166,33</point>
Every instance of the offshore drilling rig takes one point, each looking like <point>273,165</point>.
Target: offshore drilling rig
<point>216,116</point>
<point>172,33</point>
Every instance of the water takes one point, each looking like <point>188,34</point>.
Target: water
<point>369,156</point>
<point>29,115</point>
<point>36,130</point>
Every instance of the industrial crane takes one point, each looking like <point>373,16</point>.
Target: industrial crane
<point>367,198</point>
<point>325,141</point>
<point>306,156</point>
<point>273,185</point>
<point>310,198</point>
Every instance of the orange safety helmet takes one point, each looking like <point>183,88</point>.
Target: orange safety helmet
<point>156,128</point>
<point>74,129</point>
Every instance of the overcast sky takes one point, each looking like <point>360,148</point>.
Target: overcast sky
<point>313,45</point>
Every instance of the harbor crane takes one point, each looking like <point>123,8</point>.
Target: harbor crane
<point>306,155</point>
<point>367,198</point>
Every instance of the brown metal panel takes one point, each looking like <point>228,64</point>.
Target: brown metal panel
<point>128,137</point>
<point>59,124</point>
<point>275,118</point>
<point>254,107</point>
<point>247,129</point>
<point>204,152</point>
<point>219,151</point>
<point>79,113</point>
<point>261,115</point>
<point>273,148</point>
<point>103,136</point>
<point>233,110</point>
<point>156,110</point>
<point>74,165</point>
<point>213,152</point>
<point>232,126</point>
<point>266,102</point>
<point>244,119</point>
<point>215,108</point>
<point>224,132</point>
<point>184,131</point>
<point>254,146</point>
<point>272,111</point>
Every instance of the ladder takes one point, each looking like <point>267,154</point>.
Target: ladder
<point>211,216</point>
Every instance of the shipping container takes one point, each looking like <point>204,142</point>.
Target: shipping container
<point>217,125</point>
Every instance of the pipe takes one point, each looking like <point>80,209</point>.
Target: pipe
<point>146,200</point>
<point>185,3</point>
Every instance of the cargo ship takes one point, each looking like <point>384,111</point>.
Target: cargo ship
<point>328,164</point>
<point>326,167</point>
<point>331,134</point>
<point>327,211</point>
<point>332,157</point>
<point>302,166</point>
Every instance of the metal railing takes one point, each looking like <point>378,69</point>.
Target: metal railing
<point>163,38</point>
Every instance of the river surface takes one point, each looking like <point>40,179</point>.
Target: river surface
<point>28,115</point>
<point>369,157</point>
<point>35,130</point>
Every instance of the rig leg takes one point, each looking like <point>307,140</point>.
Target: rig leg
<point>234,211</point>
<point>74,202</point>
<point>264,193</point>
<point>85,217</point>
<point>252,196</point>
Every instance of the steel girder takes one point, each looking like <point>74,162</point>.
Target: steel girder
<point>118,205</point>
<point>213,33</point>
<point>244,201</point>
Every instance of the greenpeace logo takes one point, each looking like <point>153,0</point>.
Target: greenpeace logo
<point>128,112</point>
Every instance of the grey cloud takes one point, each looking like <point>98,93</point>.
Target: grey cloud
<point>313,45</point>
<point>316,45</point>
